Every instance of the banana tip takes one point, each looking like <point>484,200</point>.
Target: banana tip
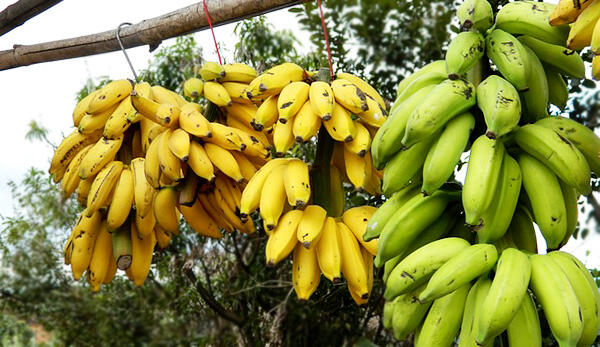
<point>336,280</point>
<point>306,244</point>
<point>364,296</point>
<point>491,135</point>
<point>453,76</point>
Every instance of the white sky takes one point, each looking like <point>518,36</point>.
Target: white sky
<point>45,92</point>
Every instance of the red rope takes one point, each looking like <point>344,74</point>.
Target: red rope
<point>212,31</point>
<point>326,40</point>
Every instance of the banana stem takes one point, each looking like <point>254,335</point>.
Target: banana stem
<point>320,170</point>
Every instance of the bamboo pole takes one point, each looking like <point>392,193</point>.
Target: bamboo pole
<point>147,32</point>
<point>18,13</point>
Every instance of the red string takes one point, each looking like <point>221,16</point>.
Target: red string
<point>326,40</point>
<point>212,31</point>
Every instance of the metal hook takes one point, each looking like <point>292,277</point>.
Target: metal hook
<point>123,49</point>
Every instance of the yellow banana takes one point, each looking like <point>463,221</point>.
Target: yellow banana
<point>192,87</point>
<point>145,225</point>
<point>211,71</point>
<point>329,252</point>
<point>311,225</point>
<point>84,236</point>
<point>102,186</point>
<point>200,221</point>
<point>356,168</point>
<point>375,116</point>
<point>152,163</point>
<point>292,97</point>
<point>567,11</point>
<point>215,213</point>
<point>237,92</point>
<point>282,240</point>
<point>243,113</point>
<point>100,260</point>
<point>353,264</point>
<point>217,94</point>
<point>101,153</point>
<point>297,183</point>
<point>305,273</point>
<point>179,144</point>
<point>143,191</point>
<point>170,165</point>
<point>81,108</point>
<point>321,99</point>
<point>109,95</point>
<point>251,195</point>
<point>364,86</point>
<point>266,114</point>
<point>361,143</point>
<point>340,126</point>
<point>272,197</point>
<point>143,89</point>
<point>356,219</point>
<point>165,210</point>
<point>119,120</point>
<point>238,72</point>
<point>283,137</point>
<point>580,35</point>
<point>68,149</point>
<point>94,122</point>
<point>246,167</point>
<point>83,190</point>
<point>225,137</point>
<point>112,268</point>
<point>224,161</point>
<point>141,255</point>
<point>71,179</point>
<point>275,79</point>
<point>349,95</point>
<point>166,115</point>
<point>193,122</point>
<point>164,96</point>
<point>306,123</point>
<point>122,200</point>
<point>199,162</point>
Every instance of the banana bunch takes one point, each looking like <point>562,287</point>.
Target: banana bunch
<point>326,245</point>
<point>584,18</point>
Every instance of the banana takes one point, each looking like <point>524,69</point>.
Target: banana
<point>189,189</point>
<point>349,95</point>
<point>165,96</point>
<point>84,236</point>
<point>409,312</point>
<point>200,163</point>
<point>101,153</point>
<point>162,239</point>
<point>357,169</point>
<point>565,61</point>
<point>193,122</point>
<point>432,78</point>
<point>143,191</point>
<point>570,196</point>
<point>558,91</point>
<point>306,123</point>
<point>170,165</point>
<point>524,329</point>
<point>586,295</point>
<point>459,270</point>
<point>272,197</point>
<point>122,200</point>
<point>409,221</point>
<point>224,161</point>
<point>305,271</point>
<point>225,137</point>
<point>141,255</point>
<point>296,181</point>
<point>353,264</point>
<point>275,79</point>
<point>179,144</point>
<point>558,299</point>
<point>165,210</point>
<point>329,251</point>
<point>94,122</point>
<point>361,143</point>
<point>535,100</point>
<point>521,230</point>
<point>444,102</point>
<point>510,57</point>
<point>238,72</point>
<point>291,99</point>
<point>337,197</point>
<point>119,120</point>
<point>387,141</point>
<point>200,221</point>
<point>99,262</point>
<point>567,11</point>
<point>145,225</point>
<point>80,109</point>
<point>246,167</point>
<point>475,14</point>
<point>214,212</point>
<point>443,319</point>
<point>368,259</point>
<point>464,51</point>
<point>356,219</point>
<point>109,95</point>
<point>495,220</point>
<point>266,114</point>
<point>341,126</point>
<point>282,239</point>
<point>437,65</point>
<point>166,115</point>
<point>193,87</point>
<point>252,192</point>
<point>217,94</point>
<point>579,135</point>
<point>445,152</point>
<point>364,86</point>
<point>71,180</point>
<point>473,306</point>
<point>414,270</point>
<point>558,153</point>
<point>508,290</point>
<point>242,113</point>
<point>152,169</point>
<point>483,172</point>
<point>531,18</point>
<point>237,92</point>
<point>311,225</point>
<point>375,116</point>
<point>211,71</point>
<point>283,137</point>
<point>405,165</point>
<point>595,42</point>
<point>103,186</point>
<point>68,149</point>
<point>501,105</point>
<point>83,190</point>
<point>582,30</point>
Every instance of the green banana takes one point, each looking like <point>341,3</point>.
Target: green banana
<point>386,141</point>
<point>537,97</point>
<point>473,306</point>
<point>483,173</point>
<point>447,100</point>
<point>531,18</point>
<point>558,153</point>
<point>570,196</point>
<point>387,316</point>
<point>524,329</point>
<point>432,78</point>
<point>445,152</point>
<point>501,105</point>
<point>408,314</point>
<point>475,14</point>
<point>567,62</point>
<point>416,268</point>
<point>558,91</point>
<point>579,135</point>
<point>434,66</point>
<point>522,231</point>
<point>387,210</point>
<point>408,222</point>
<point>546,199</point>
<point>496,218</point>
<point>509,56</point>
<point>443,319</point>
<point>558,299</point>
<point>503,301</point>
<point>459,270</point>
<point>464,51</point>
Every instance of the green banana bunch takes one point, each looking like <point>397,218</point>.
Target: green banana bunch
<point>464,51</point>
<point>509,56</point>
<point>475,14</point>
<point>501,106</point>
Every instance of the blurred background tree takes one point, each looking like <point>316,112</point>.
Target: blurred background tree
<point>219,292</point>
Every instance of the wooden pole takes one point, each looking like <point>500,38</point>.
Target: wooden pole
<point>147,32</point>
<point>18,13</point>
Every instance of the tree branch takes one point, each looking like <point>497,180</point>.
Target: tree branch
<point>148,32</point>
<point>595,207</point>
<point>21,11</point>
